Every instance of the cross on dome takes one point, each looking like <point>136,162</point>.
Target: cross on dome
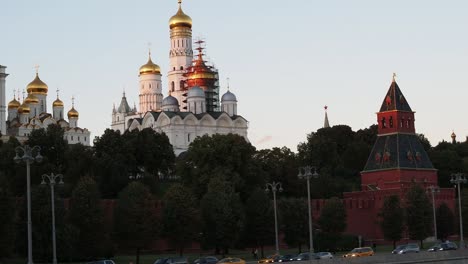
<point>227,79</point>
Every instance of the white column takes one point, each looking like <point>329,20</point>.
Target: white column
<point>3,76</point>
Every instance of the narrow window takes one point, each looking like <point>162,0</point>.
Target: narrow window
<point>384,125</point>
<point>181,68</point>
<point>72,138</point>
<point>407,123</point>
<point>181,85</point>
<point>172,86</point>
<point>188,137</point>
<point>401,122</point>
<point>390,122</point>
<point>150,85</point>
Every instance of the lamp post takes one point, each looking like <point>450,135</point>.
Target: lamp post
<point>52,180</point>
<point>306,173</point>
<point>275,186</point>
<point>433,190</point>
<point>29,155</point>
<point>458,178</point>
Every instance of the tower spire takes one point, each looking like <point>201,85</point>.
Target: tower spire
<point>326,124</point>
<point>393,77</point>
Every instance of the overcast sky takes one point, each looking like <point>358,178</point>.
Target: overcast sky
<point>286,60</point>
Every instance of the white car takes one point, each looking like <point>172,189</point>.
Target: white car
<point>323,255</point>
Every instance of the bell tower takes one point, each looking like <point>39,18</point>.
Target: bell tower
<point>3,76</point>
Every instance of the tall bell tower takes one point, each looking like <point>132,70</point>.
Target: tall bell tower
<point>3,76</point>
<point>181,54</point>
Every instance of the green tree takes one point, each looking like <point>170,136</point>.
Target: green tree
<point>332,222</point>
<point>227,156</point>
<point>392,219</point>
<point>259,222</point>
<point>418,214</point>
<point>445,222</point>
<point>7,219</point>
<point>222,214</point>
<point>180,217</point>
<point>294,221</point>
<point>86,217</point>
<point>53,147</point>
<point>134,218</point>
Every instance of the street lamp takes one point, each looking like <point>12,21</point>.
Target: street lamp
<point>433,190</point>
<point>458,178</point>
<point>306,173</point>
<point>275,186</point>
<point>29,156</point>
<point>51,179</point>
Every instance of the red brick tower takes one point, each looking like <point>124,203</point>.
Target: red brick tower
<point>396,161</point>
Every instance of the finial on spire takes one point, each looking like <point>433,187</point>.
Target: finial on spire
<point>149,50</point>
<point>14,93</point>
<point>73,101</point>
<point>227,79</point>
<point>326,123</point>
<point>393,78</point>
<point>23,94</point>
<point>180,2</point>
<point>37,69</point>
<point>18,93</point>
<point>325,107</point>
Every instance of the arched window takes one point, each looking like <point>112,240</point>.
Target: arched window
<point>384,125</point>
<point>181,85</point>
<point>150,85</point>
<point>172,86</point>
<point>401,122</point>
<point>407,123</point>
<point>390,122</point>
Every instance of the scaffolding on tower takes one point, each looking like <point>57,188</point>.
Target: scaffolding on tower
<point>205,76</point>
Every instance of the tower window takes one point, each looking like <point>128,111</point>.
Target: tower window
<point>181,68</point>
<point>384,124</point>
<point>173,68</point>
<point>172,86</point>
<point>188,137</point>
<point>407,123</point>
<point>181,85</point>
<point>390,121</point>
<point>401,122</point>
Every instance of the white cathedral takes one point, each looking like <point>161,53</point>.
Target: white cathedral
<point>192,107</point>
<point>32,113</point>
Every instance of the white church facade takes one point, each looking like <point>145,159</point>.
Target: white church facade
<point>192,107</point>
<point>31,113</point>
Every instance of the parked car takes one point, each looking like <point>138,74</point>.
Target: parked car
<point>206,260</point>
<point>304,256</point>
<point>323,255</point>
<point>443,246</point>
<point>160,261</point>
<point>406,248</point>
<point>270,259</point>
<point>359,252</point>
<point>105,261</point>
<point>286,258</point>
<point>231,261</point>
<point>175,260</point>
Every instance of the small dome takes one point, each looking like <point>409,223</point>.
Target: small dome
<point>37,86</point>
<point>150,68</point>
<point>196,92</point>
<point>180,19</point>
<point>228,96</point>
<point>72,113</point>
<point>57,103</point>
<point>13,104</point>
<point>31,99</point>
<point>24,109</point>
<point>453,135</point>
<point>170,100</point>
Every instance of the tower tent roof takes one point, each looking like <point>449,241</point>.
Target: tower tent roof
<point>398,151</point>
<point>395,100</point>
<point>124,107</point>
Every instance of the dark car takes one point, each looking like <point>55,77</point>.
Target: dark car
<point>443,246</point>
<point>176,260</point>
<point>206,260</point>
<point>304,256</point>
<point>286,258</point>
<point>106,261</point>
<point>407,248</point>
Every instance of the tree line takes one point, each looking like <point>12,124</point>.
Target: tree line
<point>213,194</point>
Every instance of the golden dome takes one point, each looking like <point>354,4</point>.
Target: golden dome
<point>31,99</point>
<point>150,68</point>
<point>24,109</point>
<point>37,86</point>
<point>57,103</point>
<point>13,104</point>
<point>72,113</point>
<point>180,19</point>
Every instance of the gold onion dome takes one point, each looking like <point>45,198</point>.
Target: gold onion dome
<point>57,103</point>
<point>37,86</point>
<point>13,104</point>
<point>31,99</point>
<point>24,109</point>
<point>150,68</point>
<point>73,113</point>
<point>180,19</point>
